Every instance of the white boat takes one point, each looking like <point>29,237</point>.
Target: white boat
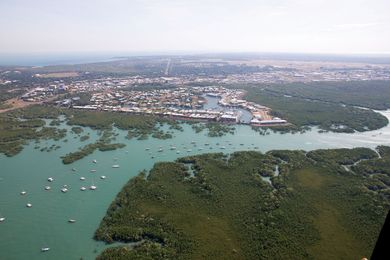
<point>94,161</point>
<point>160,150</point>
<point>72,221</point>
<point>64,190</point>
<point>47,188</point>
<point>83,188</point>
<point>193,142</point>
<point>73,169</point>
<point>23,192</point>
<point>2,219</point>
<point>50,179</point>
<point>82,178</point>
<point>102,177</point>
<point>93,187</point>
<point>189,150</point>
<point>92,170</point>
<point>173,148</point>
<point>177,152</point>
<point>45,249</point>
<point>115,166</point>
<point>28,205</point>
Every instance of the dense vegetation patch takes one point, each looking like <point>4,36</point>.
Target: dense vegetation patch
<point>102,144</point>
<point>224,209</point>
<point>305,112</point>
<point>372,94</point>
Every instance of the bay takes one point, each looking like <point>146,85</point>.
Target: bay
<point>26,230</point>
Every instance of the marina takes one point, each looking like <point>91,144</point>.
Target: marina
<point>88,203</point>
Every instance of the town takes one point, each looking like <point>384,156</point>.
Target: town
<point>183,103</point>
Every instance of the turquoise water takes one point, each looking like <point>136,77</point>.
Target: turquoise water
<point>26,230</point>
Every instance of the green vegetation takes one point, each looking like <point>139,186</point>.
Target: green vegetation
<point>14,133</point>
<point>20,126</point>
<point>371,94</point>
<point>84,138</point>
<point>303,112</point>
<point>214,129</point>
<point>77,130</point>
<point>314,208</point>
<point>103,144</point>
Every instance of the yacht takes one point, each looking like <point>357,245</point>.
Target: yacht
<point>64,190</point>
<point>2,219</point>
<point>115,166</point>
<point>102,177</point>
<point>23,192</point>
<point>47,188</point>
<point>83,188</point>
<point>45,249</point>
<point>94,161</point>
<point>82,178</point>
<point>50,179</point>
<point>28,205</point>
<point>93,187</point>
<point>72,221</point>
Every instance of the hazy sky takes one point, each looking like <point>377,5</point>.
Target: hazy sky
<point>320,26</point>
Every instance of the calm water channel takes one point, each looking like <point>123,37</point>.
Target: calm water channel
<point>26,230</point>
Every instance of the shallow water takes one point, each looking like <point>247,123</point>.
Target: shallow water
<point>26,230</point>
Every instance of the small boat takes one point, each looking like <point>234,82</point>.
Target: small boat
<point>50,179</point>
<point>115,166</point>
<point>147,149</point>
<point>93,187</point>
<point>192,142</point>
<point>173,148</point>
<point>92,170</point>
<point>223,147</point>
<point>2,219</point>
<point>28,205</point>
<point>206,144</point>
<point>83,188</point>
<point>65,186</point>
<point>102,177</point>
<point>189,150</point>
<point>72,221</point>
<point>177,152</point>
<point>64,190</point>
<point>47,188</point>
<point>23,192</point>
<point>45,249</point>
<point>152,157</point>
<point>73,169</point>
<point>94,161</point>
<point>82,178</point>
<point>160,150</point>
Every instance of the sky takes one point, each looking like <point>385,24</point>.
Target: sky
<point>302,26</point>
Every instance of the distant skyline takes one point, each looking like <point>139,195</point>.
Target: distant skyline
<point>120,26</point>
